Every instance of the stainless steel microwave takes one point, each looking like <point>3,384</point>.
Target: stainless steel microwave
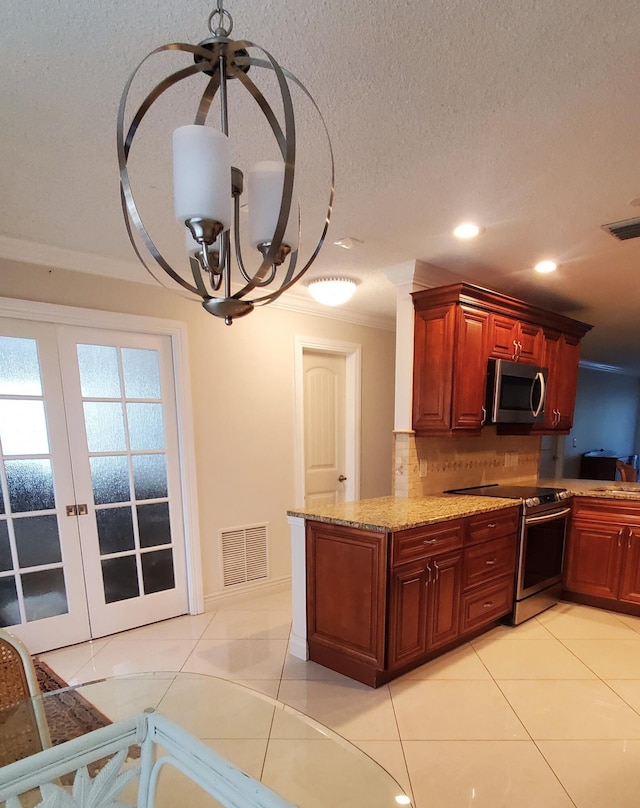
<point>515,392</point>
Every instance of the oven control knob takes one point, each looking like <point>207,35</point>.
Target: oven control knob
<point>563,495</point>
<point>532,502</point>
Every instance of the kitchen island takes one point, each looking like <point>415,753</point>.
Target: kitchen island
<point>382,585</point>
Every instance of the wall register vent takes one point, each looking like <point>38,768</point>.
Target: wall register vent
<point>630,228</point>
<point>244,554</point>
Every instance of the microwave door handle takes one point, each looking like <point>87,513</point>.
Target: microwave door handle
<point>539,377</point>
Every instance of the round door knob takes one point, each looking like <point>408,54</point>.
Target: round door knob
<point>341,478</point>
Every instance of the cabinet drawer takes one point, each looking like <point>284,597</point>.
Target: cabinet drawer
<point>490,560</point>
<point>493,524</point>
<point>422,542</point>
<point>486,604</point>
<point>606,511</point>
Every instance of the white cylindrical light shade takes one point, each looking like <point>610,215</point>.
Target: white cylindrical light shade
<point>265,182</point>
<point>202,175</point>
<point>332,291</point>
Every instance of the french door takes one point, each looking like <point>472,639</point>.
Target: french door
<point>91,530</point>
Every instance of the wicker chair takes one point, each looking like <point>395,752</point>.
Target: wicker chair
<point>23,726</point>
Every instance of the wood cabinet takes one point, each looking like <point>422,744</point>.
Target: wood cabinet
<point>449,369</point>
<point>602,562</point>
<point>458,328</point>
<point>515,340</point>
<point>561,356</point>
<point>380,603</point>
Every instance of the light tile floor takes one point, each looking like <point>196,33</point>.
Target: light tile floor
<point>544,714</point>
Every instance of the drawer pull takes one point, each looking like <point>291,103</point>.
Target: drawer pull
<point>491,525</point>
<point>429,541</point>
<point>490,562</point>
<point>487,605</point>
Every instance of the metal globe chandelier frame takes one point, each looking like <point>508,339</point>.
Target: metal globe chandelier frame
<point>223,59</point>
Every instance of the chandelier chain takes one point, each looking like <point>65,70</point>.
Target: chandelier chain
<point>220,14</point>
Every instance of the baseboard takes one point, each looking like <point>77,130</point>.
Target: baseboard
<point>241,591</point>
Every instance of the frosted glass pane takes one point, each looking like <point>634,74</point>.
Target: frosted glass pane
<point>45,594</point>
<point>141,373</point>
<point>120,578</point>
<point>110,477</point>
<point>9,606</point>
<point>37,540</point>
<point>115,530</point>
<point>153,524</point>
<point>23,429</point>
<point>157,571</point>
<point>19,367</point>
<point>146,428</point>
<point>99,374</point>
<point>149,476</point>
<point>6,562</point>
<point>1,501</point>
<point>30,485</point>
<point>105,426</point>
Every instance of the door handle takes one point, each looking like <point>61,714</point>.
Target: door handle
<point>341,478</point>
<point>77,510</point>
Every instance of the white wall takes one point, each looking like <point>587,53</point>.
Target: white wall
<point>243,399</point>
<point>606,416</point>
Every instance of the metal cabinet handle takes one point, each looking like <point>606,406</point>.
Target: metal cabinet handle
<point>629,537</point>
<point>436,569</point>
<point>429,541</point>
<point>490,562</point>
<point>515,351</point>
<point>620,534</point>
<point>341,478</point>
<point>428,569</point>
<point>487,605</point>
<point>491,525</point>
<point>484,416</point>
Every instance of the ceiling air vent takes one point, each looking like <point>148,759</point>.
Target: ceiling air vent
<point>630,228</point>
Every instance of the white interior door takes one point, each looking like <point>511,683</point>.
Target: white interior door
<point>42,590</point>
<point>120,402</point>
<point>324,427</point>
<point>91,537</point>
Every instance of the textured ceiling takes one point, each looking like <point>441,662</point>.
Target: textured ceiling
<point>522,115</point>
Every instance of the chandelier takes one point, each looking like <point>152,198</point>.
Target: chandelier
<point>208,188</point>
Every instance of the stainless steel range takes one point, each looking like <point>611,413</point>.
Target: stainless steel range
<point>541,547</point>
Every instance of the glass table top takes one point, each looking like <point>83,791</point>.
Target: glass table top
<point>301,760</point>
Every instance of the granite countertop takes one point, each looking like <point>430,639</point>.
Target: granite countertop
<point>605,489</point>
<point>398,513</point>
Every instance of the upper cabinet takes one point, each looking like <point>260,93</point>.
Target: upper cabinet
<point>458,328</point>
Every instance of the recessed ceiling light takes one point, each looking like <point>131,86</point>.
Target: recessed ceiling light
<point>546,266</point>
<point>466,230</point>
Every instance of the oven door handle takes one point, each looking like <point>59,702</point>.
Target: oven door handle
<point>546,517</point>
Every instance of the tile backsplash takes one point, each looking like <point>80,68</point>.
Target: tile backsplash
<point>431,465</point>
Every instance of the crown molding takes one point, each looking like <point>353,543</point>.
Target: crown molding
<point>31,252</point>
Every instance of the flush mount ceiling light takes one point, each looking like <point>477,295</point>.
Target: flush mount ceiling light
<point>546,266</point>
<point>332,291</point>
<point>467,230</point>
<point>208,188</point>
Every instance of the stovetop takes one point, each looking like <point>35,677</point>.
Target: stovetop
<point>530,495</point>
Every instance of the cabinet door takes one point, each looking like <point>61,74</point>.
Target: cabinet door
<point>433,369</point>
<point>408,613</point>
<point>470,376</point>
<point>593,559</point>
<point>566,380</point>
<point>444,600</point>
<point>503,341</point>
<point>530,343</point>
<point>630,581</point>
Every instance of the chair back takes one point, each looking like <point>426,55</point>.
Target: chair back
<point>628,474</point>
<point>23,725</point>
